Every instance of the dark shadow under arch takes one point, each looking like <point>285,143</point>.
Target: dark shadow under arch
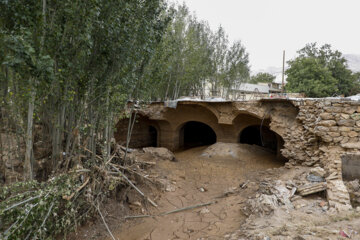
<point>195,134</point>
<point>263,136</point>
<point>153,134</point>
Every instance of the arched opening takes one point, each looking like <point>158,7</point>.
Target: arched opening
<point>153,136</point>
<point>195,134</point>
<point>261,136</point>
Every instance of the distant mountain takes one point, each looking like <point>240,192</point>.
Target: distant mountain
<point>353,62</point>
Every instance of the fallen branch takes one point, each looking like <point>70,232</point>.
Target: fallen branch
<point>20,203</point>
<point>138,216</point>
<point>133,185</point>
<point>77,190</point>
<point>187,208</point>
<point>173,211</point>
<point>107,227</point>
<point>132,171</point>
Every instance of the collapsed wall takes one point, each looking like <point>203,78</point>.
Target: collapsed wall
<point>304,131</point>
<point>330,130</point>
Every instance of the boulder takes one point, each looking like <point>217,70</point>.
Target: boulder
<point>160,152</point>
<point>318,171</point>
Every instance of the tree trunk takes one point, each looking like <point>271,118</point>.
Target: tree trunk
<point>28,165</point>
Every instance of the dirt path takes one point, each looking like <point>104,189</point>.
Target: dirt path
<point>197,179</point>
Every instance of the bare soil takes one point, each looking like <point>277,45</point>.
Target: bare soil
<point>226,176</point>
<point>200,175</point>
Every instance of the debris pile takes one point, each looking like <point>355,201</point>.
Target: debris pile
<point>30,210</point>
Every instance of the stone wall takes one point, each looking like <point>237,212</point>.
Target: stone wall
<point>315,132</point>
<point>330,129</point>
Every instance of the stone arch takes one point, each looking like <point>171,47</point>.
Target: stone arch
<point>253,123</point>
<point>191,112</point>
<point>146,132</point>
<point>194,134</point>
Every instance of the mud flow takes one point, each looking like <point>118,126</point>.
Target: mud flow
<point>201,175</point>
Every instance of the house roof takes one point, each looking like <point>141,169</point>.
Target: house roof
<point>249,87</point>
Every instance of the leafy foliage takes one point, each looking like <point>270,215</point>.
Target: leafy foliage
<point>320,72</point>
<point>192,58</point>
<point>33,210</point>
<point>262,77</point>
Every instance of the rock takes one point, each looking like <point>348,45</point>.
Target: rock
<point>358,123</point>
<point>355,116</point>
<point>346,122</point>
<point>318,171</point>
<point>326,116</point>
<point>354,185</point>
<point>322,129</point>
<point>352,134</point>
<point>327,138</point>
<point>344,129</point>
<point>161,153</point>
<point>327,123</point>
<point>334,134</point>
<point>314,178</point>
<point>311,188</point>
<point>351,145</point>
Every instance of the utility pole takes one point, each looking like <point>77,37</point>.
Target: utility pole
<point>283,73</point>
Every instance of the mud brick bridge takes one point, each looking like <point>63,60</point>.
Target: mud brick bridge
<point>323,132</point>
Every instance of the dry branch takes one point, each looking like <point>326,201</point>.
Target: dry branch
<point>133,185</point>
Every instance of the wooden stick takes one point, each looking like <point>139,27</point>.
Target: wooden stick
<point>133,185</point>
<point>77,190</point>
<point>107,227</point>
<point>137,216</point>
<point>187,208</point>
<point>20,203</point>
<point>130,170</point>
<point>173,211</point>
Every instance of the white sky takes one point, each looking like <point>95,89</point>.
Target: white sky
<point>267,27</point>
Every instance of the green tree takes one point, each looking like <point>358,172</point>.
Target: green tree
<point>331,60</point>
<point>262,77</point>
<point>307,75</point>
<point>70,66</point>
<point>191,57</point>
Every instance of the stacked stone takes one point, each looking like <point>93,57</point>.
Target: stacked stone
<point>302,142</point>
<point>331,128</point>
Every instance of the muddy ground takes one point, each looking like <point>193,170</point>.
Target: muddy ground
<point>227,178</point>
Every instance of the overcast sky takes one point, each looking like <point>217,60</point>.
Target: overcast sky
<point>267,27</point>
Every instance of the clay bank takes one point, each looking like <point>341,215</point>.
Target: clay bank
<point>311,132</point>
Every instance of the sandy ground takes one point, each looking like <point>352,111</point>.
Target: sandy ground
<point>214,175</point>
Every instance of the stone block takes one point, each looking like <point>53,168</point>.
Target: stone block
<point>345,140</point>
<point>349,110</point>
<point>333,109</point>
<point>351,145</point>
<point>344,129</point>
<point>326,116</point>
<point>338,139</point>
<point>334,134</point>
<point>327,123</point>
<point>327,138</point>
<point>355,116</point>
<point>344,116</point>
<point>334,129</point>
<point>346,122</point>
<point>322,129</point>
<point>352,134</point>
